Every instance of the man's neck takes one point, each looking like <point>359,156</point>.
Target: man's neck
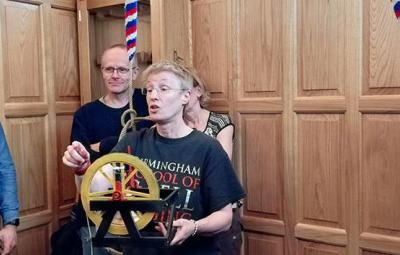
<point>116,100</point>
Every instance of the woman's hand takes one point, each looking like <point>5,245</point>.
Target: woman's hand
<point>184,229</point>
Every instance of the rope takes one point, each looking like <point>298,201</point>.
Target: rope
<point>133,118</point>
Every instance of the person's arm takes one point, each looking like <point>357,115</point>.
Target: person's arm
<point>80,132</point>
<point>225,137</point>
<point>9,205</point>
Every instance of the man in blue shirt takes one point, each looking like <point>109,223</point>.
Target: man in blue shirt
<point>8,198</point>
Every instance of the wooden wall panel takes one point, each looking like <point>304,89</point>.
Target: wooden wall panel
<point>66,180</point>
<point>67,96</point>
<point>321,47</point>
<point>309,248</point>
<point>26,138</point>
<point>379,130</point>
<point>381,50</point>
<point>68,4</point>
<point>33,241</point>
<point>65,48</point>
<point>261,63</point>
<point>264,188</point>
<point>23,53</point>
<point>211,21</point>
<point>170,30</point>
<point>176,22</point>
<point>320,169</point>
<point>264,245</point>
<point>38,79</point>
<point>375,253</point>
<point>380,165</point>
<point>329,70</point>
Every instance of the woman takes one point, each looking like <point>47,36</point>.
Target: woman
<point>202,170</point>
<point>213,124</point>
<point>220,127</point>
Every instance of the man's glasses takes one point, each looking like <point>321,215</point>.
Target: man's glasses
<point>160,91</point>
<point>111,70</point>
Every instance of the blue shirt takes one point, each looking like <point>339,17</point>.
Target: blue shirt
<point>9,205</point>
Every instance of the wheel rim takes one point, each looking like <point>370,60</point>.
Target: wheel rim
<point>101,169</point>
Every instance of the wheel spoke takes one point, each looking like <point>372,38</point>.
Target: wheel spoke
<point>109,179</point>
<point>137,194</point>
<point>100,198</point>
<point>100,193</point>
<point>129,177</point>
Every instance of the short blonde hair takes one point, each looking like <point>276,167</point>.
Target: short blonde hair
<point>183,75</point>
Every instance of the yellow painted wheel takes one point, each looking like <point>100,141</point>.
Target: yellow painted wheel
<point>98,184</point>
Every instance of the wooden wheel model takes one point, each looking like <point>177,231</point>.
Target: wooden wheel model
<point>109,178</point>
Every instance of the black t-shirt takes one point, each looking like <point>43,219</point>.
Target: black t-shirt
<point>198,166</point>
<point>96,122</point>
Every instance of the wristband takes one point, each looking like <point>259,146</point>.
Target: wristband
<point>195,227</point>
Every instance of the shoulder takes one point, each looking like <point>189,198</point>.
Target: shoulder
<point>133,138</point>
<point>205,142</point>
<point>220,119</point>
<point>135,135</point>
<point>217,122</point>
<point>89,107</point>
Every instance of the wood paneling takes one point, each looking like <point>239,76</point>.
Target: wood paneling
<point>26,140</point>
<point>387,244</point>
<point>67,97</point>
<point>170,30</point>
<point>320,172</point>
<point>38,77</point>
<point>67,4</point>
<point>309,248</point>
<point>23,52</point>
<point>261,64</point>
<point>264,188</point>
<point>378,131</point>
<point>33,241</point>
<point>375,253</point>
<point>264,245</point>
<point>176,22</point>
<point>321,47</point>
<point>66,180</point>
<point>381,50</point>
<point>211,19</point>
<point>380,165</point>
<point>65,42</point>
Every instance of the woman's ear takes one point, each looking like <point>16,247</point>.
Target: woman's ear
<point>186,96</point>
<point>135,73</point>
<point>197,91</point>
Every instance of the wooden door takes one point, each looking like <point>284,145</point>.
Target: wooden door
<point>39,91</point>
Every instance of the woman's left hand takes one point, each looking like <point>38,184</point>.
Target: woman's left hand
<point>184,229</point>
